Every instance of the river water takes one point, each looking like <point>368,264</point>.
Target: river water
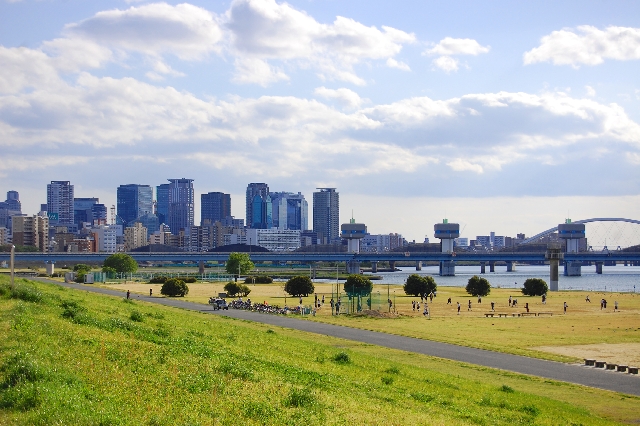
<point>614,278</point>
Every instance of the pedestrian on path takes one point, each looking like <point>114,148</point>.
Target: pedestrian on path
<point>493,305</point>
<point>150,292</point>
<point>469,305</point>
<point>128,294</point>
<point>615,306</point>
<point>458,308</point>
<point>565,307</point>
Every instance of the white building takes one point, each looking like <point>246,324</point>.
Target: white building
<point>234,238</point>
<point>274,239</point>
<point>462,242</point>
<point>106,236</point>
<point>380,243</point>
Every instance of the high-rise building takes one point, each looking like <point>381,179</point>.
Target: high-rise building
<point>262,211</point>
<point>135,236</point>
<point>181,205</point>
<point>9,208</point>
<point>31,231</point>
<point>162,203</point>
<point>214,206</point>
<point>60,203</point>
<point>326,214</point>
<point>13,201</point>
<point>133,201</point>
<point>254,189</point>
<point>88,210</point>
<point>290,211</point>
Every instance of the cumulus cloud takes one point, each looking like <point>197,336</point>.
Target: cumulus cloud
<point>586,45</point>
<point>448,47</point>
<point>591,92</point>
<point>347,98</point>
<point>258,71</point>
<point>392,63</point>
<point>267,30</point>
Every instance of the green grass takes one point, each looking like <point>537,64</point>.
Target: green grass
<point>70,357</point>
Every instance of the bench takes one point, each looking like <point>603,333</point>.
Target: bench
<point>589,362</point>
<point>600,364</point>
<point>503,315</point>
<point>611,366</point>
<point>515,314</point>
<point>488,315</point>
<point>622,368</point>
<point>545,313</point>
<point>528,314</point>
<point>633,370</point>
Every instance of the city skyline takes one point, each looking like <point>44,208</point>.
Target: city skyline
<point>508,117</point>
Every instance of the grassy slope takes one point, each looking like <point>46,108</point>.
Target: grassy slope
<point>69,357</point>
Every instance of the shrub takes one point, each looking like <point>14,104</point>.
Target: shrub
<point>244,290</point>
<point>174,287</point>
<point>232,288</point>
<point>136,316</point>
<point>387,380</point>
<point>535,287</point>
<point>81,267</point>
<point>477,286</point>
<point>158,279</point>
<point>358,285</point>
<point>299,286</point>
<point>417,285</point>
<point>258,279</point>
<point>342,358</point>
<point>300,398</point>
<point>190,280</point>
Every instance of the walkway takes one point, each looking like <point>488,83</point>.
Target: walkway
<point>587,376</point>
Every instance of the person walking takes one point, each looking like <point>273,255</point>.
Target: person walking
<point>565,307</point>
<point>509,300</point>
<point>150,292</point>
<point>128,294</point>
<point>544,299</point>
<point>301,300</point>
<point>448,301</point>
<point>615,306</point>
<point>479,299</point>
<point>493,305</point>
<point>469,305</point>
<point>323,299</point>
<point>458,308</point>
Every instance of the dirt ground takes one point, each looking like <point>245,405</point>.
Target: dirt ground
<point>617,353</point>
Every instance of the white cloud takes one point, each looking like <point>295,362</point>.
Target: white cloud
<point>347,98</point>
<point>267,30</point>
<point>591,92</point>
<point>446,63</point>
<point>460,165</point>
<point>586,45</point>
<point>392,63</point>
<point>254,70</point>
<point>449,46</point>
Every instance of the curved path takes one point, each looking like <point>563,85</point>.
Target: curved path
<point>587,376</point>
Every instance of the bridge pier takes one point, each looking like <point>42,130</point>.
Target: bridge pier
<point>50,267</point>
<point>353,267</point>
<point>599,267</point>
<point>392,265</point>
<point>511,266</point>
<point>374,267</point>
<point>492,266</point>
<point>201,267</point>
<point>482,267</point>
<point>572,269</point>
<point>447,268</point>
<point>419,265</point>
<point>553,255</point>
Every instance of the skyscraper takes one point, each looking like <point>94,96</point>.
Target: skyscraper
<point>88,210</point>
<point>262,212</point>
<point>326,214</point>
<point>290,211</point>
<point>162,200</point>
<point>214,206</point>
<point>9,208</point>
<point>254,189</point>
<point>133,201</point>
<point>60,203</point>
<point>181,205</point>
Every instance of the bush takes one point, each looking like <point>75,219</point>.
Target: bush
<point>258,279</point>
<point>417,285</point>
<point>535,287</point>
<point>232,288</point>
<point>158,279</point>
<point>136,316</point>
<point>81,267</point>
<point>342,358</point>
<point>358,285</point>
<point>478,286</point>
<point>244,290</point>
<point>121,262</point>
<point>174,287</point>
<point>299,286</point>
<point>190,280</point>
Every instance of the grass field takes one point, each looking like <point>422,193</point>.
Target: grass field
<point>583,324</point>
<point>69,357</point>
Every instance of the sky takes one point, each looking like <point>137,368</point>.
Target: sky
<point>501,116</point>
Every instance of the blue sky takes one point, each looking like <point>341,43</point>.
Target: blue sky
<point>503,116</point>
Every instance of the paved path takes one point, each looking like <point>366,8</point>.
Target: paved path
<point>587,376</point>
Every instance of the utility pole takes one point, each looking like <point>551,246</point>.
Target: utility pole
<point>13,251</point>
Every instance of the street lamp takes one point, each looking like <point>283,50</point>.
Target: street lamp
<point>13,252</point>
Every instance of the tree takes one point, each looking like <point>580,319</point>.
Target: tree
<point>478,286</point>
<point>174,287</point>
<point>81,270</point>
<point>535,287</point>
<point>358,285</point>
<point>121,262</point>
<point>109,271</point>
<point>232,288</point>
<point>417,285</point>
<point>244,290</point>
<point>239,263</point>
<point>299,286</point>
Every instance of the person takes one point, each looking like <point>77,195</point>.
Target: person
<point>526,306</point>
<point>150,292</point>
<point>301,300</point>
<point>426,311</point>
<point>128,294</point>
<point>615,306</point>
<point>332,304</point>
<point>323,299</point>
<point>514,303</point>
<point>565,307</point>
<point>604,301</point>
<point>479,299</point>
<point>544,299</point>
<point>469,306</point>
<point>493,306</point>
<point>601,304</point>
<point>448,301</point>
<point>458,308</point>
<point>587,299</point>
<point>431,296</point>
<point>413,305</point>
<point>509,300</point>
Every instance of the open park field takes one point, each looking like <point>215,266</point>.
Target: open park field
<point>71,357</point>
<point>583,332</point>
